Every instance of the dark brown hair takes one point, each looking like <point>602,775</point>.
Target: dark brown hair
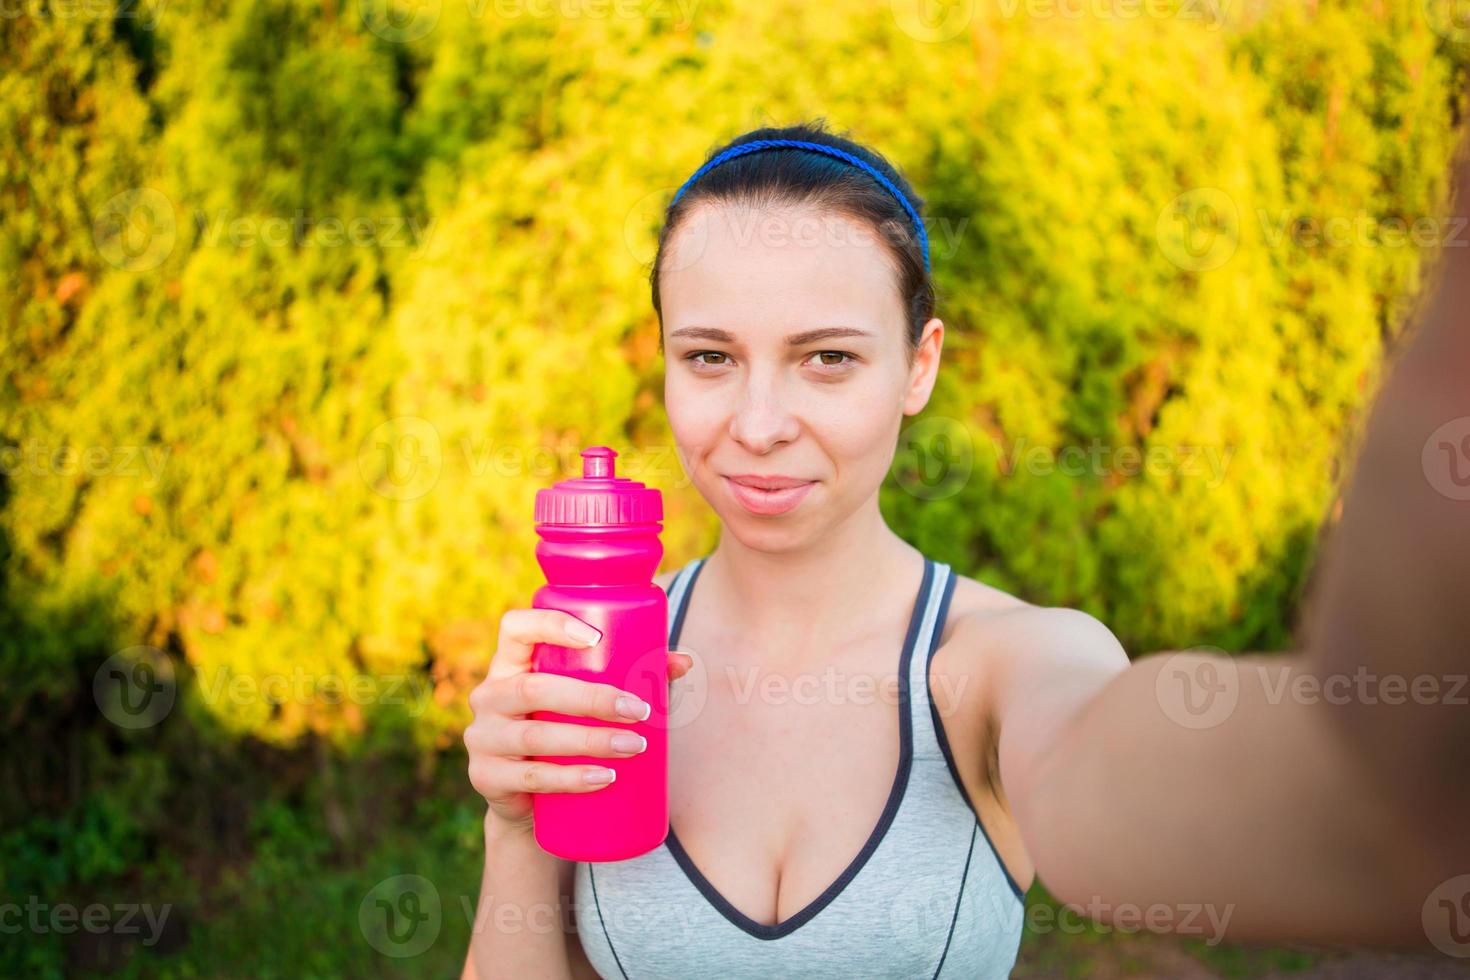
<point>793,177</point>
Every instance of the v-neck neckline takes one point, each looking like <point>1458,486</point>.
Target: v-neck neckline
<point>761,930</point>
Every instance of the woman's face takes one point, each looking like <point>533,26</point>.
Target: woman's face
<point>785,358</point>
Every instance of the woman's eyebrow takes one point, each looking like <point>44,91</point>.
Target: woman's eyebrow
<point>795,340</point>
<point>825,333</point>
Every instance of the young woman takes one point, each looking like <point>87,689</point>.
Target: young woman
<point>953,738</point>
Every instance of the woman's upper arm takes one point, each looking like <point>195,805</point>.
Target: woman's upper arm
<point>1250,813</point>
<point>1049,663</point>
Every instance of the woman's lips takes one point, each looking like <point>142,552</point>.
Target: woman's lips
<point>767,502</point>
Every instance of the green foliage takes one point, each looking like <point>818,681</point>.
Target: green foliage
<point>304,304</point>
<point>495,307</point>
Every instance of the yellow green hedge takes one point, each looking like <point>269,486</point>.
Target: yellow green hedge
<point>1121,212</point>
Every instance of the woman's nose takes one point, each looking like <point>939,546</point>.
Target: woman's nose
<point>762,420</point>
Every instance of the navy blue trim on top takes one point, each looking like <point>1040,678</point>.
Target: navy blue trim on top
<point>949,762</point>
<point>602,922</point>
<point>761,930</point>
<point>683,606</point>
<point>960,897</point>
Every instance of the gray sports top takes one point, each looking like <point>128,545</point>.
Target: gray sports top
<point>927,896</point>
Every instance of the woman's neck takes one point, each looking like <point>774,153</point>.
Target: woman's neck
<point>788,602</point>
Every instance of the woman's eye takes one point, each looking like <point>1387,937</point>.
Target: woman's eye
<point>697,355</point>
<point>838,354</point>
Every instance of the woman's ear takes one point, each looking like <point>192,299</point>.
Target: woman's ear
<point>925,368</point>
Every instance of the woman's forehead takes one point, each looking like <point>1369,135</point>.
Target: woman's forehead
<point>781,267</point>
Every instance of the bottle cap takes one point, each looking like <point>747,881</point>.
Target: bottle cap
<point>599,497</point>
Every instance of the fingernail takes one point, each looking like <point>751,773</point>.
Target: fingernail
<point>629,742</point>
<point>596,776</point>
<point>579,630</point>
<point>636,708</point>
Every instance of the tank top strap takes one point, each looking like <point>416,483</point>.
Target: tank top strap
<point>939,581</point>
<point>679,597</point>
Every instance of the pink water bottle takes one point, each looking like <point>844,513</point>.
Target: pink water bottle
<point>599,550</point>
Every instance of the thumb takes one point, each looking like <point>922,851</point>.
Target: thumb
<point>679,664</point>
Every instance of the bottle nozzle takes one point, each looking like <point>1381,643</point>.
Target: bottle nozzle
<point>597,462</point>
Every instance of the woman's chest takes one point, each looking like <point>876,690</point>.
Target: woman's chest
<point>778,779</point>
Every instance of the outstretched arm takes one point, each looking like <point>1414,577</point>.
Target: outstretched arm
<point>1394,596</point>
<point>1319,797</point>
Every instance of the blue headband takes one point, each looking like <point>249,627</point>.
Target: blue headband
<point>831,151</point>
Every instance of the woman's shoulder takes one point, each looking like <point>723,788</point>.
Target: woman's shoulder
<point>988,632</point>
<point>983,617</point>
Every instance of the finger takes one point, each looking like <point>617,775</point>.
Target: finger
<point>531,691</point>
<point>522,629</point>
<point>679,665</point>
<point>535,776</point>
<point>534,738</point>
